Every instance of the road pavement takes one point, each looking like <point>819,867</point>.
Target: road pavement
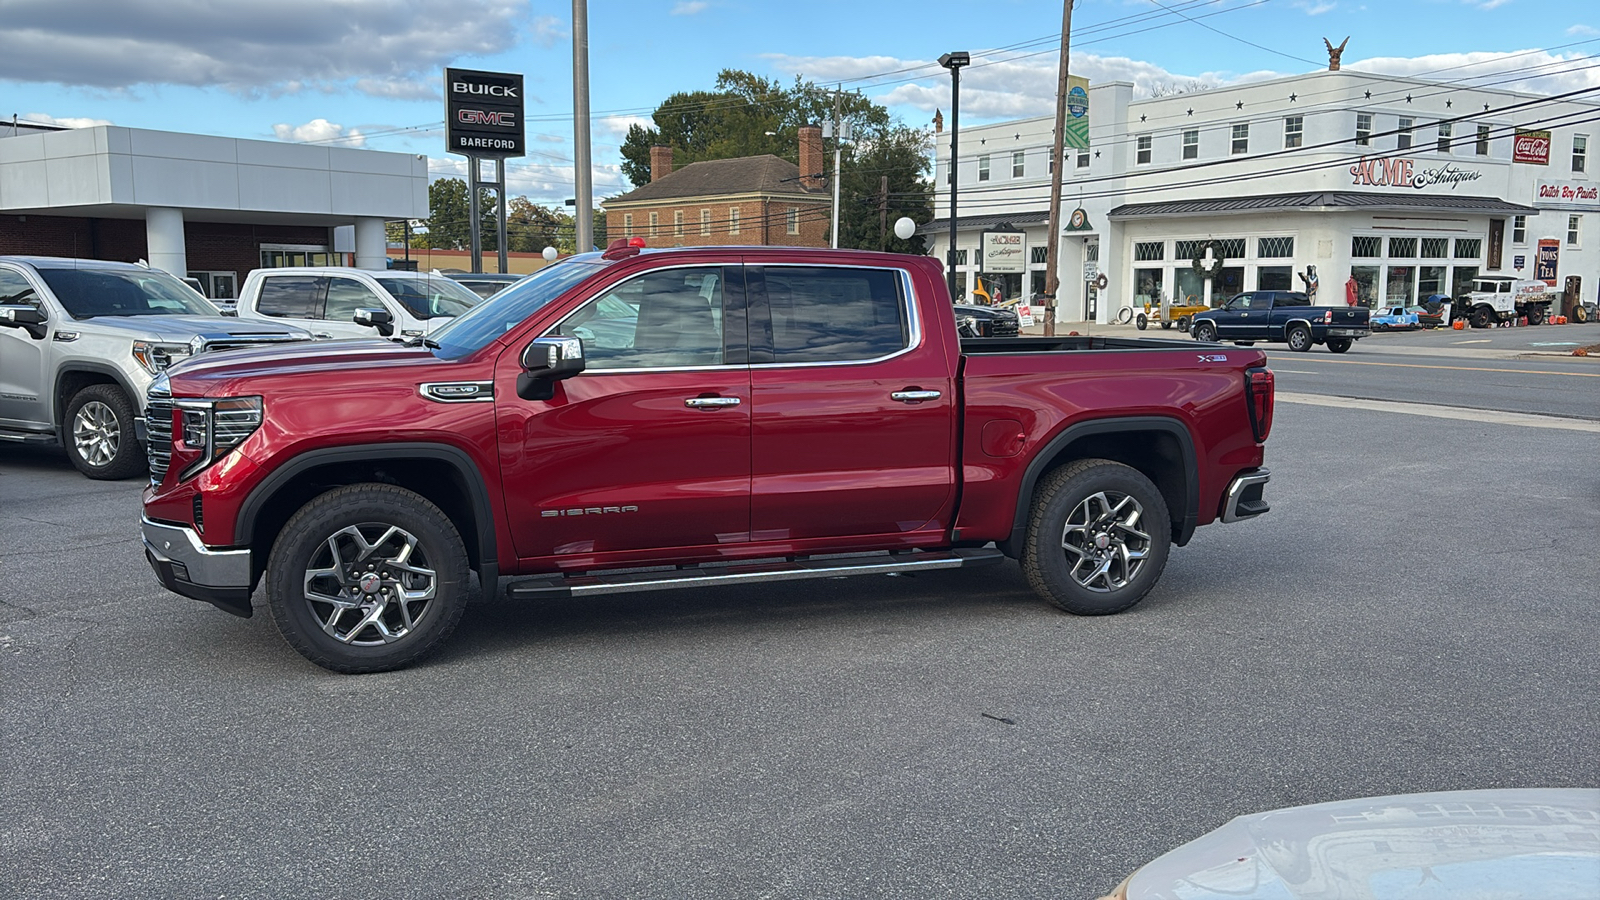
<point>1417,613</point>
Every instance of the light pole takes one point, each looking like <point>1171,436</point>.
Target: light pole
<point>954,62</point>
<point>583,215</point>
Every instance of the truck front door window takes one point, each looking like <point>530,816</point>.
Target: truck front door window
<point>345,296</point>
<point>666,319</point>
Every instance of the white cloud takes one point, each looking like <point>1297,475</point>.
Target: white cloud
<point>995,89</point>
<point>320,131</point>
<point>248,46</point>
<point>689,7</point>
<point>1583,31</point>
<point>1534,72</point>
<point>399,88</point>
<point>547,31</point>
<point>1315,7</point>
<point>616,127</point>
<point>63,121</point>
<point>548,184</point>
<point>549,138</point>
<point>1489,4</point>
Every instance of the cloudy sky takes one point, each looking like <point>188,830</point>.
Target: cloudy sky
<point>367,73</point>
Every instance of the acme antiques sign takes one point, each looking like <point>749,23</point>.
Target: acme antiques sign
<point>1004,253</point>
<point>1531,147</point>
<point>1398,172</point>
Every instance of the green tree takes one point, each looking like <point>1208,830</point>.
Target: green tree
<point>450,217</point>
<point>866,213</point>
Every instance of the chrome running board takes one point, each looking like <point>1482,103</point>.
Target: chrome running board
<point>714,574</point>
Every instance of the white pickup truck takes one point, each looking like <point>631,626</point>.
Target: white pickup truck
<point>334,302</point>
<point>1500,298</point>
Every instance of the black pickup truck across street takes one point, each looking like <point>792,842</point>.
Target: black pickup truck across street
<point>1283,317</point>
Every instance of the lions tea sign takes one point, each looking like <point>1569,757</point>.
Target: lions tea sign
<point>1003,253</point>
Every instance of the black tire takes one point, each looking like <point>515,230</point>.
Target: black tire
<point>1339,345</point>
<point>1166,326</point>
<point>360,521</point>
<point>1483,317</point>
<point>1183,324</point>
<point>1244,343</point>
<point>98,434</point>
<point>1299,338</point>
<point>1094,580</point>
<point>1141,322</point>
<point>1580,314</point>
<point>1536,315</point>
<point>1204,331</point>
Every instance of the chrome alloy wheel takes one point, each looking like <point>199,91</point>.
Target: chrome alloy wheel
<point>370,584</point>
<point>96,434</point>
<point>1104,541</point>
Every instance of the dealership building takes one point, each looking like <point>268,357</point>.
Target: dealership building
<point>209,207</point>
<point>1388,189</point>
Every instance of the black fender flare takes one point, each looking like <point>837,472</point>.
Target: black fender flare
<point>1190,517</point>
<point>58,404</point>
<point>455,457</point>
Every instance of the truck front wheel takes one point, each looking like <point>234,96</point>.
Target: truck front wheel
<point>1483,317</point>
<point>367,578</point>
<point>99,434</point>
<point>1204,331</point>
<point>1098,537</point>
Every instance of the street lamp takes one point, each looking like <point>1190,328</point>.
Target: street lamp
<point>954,62</point>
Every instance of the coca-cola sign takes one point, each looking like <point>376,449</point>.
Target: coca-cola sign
<point>1531,147</point>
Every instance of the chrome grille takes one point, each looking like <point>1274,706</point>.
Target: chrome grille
<point>158,428</point>
<point>235,341</point>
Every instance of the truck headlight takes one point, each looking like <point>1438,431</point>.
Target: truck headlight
<point>212,428</point>
<point>155,357</point>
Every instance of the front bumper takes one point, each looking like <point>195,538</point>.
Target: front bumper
<point>1245,496</point>
<point>187,567</point>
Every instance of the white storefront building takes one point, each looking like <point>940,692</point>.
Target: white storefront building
<point>1407,187</point>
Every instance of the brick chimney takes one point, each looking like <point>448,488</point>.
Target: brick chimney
<point>812,162</point>
<point>660,163</point>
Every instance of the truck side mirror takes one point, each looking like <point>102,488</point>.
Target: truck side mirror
<point>375,318</point>
<point>546,361</point>
<point>25,316</point>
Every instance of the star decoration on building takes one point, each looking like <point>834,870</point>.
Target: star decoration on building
<point>1293,97</point>
<point>1239,105</point>
<point>1141,117</point>
<point>1097,154</point>
<point>1369,95</point>
<point>983,140</point>
<point>1018,137</point>
<point>1191,110</point>
<point>1486,107</point>
<point>1408,98</point>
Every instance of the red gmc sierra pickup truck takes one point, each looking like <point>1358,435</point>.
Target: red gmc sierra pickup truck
<point>642,419</point>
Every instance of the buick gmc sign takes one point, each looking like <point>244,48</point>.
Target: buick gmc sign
<point>483,113</point>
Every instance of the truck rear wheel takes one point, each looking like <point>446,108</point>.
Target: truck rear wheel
<point>1338,345</point>
<point>1098,537</point>
<point>367,578</point>
<point>1299,338</point>
<point>99,434</point>
<point>1183,324</point>
<point>1536,315</point>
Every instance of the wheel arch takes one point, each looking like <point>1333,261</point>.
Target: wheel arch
<point>461,494</point>
<point>78,375</point>
<point>1159,447</point>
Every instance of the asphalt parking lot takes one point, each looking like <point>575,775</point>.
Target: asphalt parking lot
<point>1417,613</point>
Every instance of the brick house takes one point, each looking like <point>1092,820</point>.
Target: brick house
<point>751,200</point>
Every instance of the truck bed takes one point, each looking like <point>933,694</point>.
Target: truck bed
<point>1060,343</point>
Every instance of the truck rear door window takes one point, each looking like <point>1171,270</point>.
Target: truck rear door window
<point>824,314</point>
<point>292,296</point>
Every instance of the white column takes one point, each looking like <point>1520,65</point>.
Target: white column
<point>371,244</point>
<point>163,235</point>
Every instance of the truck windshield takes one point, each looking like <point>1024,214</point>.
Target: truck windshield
<point>429,297</point>
<point>475,329</point>
<point>86,293</point>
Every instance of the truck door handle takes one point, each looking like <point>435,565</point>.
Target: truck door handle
<point>321,336</point>
<point>710,402</point>
<point>915,396</point>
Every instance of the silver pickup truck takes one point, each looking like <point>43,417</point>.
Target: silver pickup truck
<point>81,340</point>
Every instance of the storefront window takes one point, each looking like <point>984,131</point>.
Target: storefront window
<point>1468,248</point>
<point>1275,278</point>
<point>1229,281</point>
<point>1366,284</point>
<point>1402,248</point>
<point>1366,246</point>
<point>1461,278</point>
<point>1435,248</point>
<point>1431,281</point>
<point>1232,248</point>
<point>1400,286</point>
<point>1275,247</point>
<point>1191,286</point>
<point>1147,286</point>
<point>1149,251</point>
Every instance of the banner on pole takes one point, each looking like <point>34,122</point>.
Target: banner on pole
<point>1077,134</point>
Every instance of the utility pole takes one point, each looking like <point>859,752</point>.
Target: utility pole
<point>583,176</point>
<point>838,136</point>
<point>883,212</point>
<point>1052,253</point>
